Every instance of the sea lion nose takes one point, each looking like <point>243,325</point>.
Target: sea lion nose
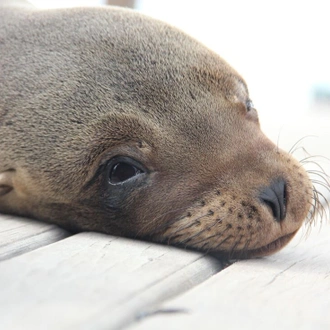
<point>275,197</point>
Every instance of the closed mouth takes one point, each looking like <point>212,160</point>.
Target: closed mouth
<point>266,250</point>
<point>270,248</point>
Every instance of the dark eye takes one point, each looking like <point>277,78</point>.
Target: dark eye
<point>122,171</point>
<point>249,105</point>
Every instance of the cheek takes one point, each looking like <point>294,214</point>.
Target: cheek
<point>165,199</point>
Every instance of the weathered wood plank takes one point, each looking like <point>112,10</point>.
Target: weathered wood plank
<point>94,281</point>
<point>20,235</point>
<point>290,290</point>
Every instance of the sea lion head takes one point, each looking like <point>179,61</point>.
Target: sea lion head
<point>114,122</point>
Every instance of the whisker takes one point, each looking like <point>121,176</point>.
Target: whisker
<point>320,205</point>
<point>160,216</point>
<point>245,248</point>
<point>315,156</point>
<point>211,236</point>
<point>319,179</point>
<point>298,148</point>
<point>320,168</point>
<point>223,241</point>
<point>200,232</point>
<point>322,184</point>
<point>311,213</point>
<point>232,250</point>
<point>318,208</point>
<point>314,207</point>
<point>193,223</point>
<point>305,137</point>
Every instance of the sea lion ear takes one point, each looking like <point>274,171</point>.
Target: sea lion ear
<point>6,182</point>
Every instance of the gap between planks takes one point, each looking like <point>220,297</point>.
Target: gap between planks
<point>289,290</point>
<point>21,235</point>
<point>94,281</point>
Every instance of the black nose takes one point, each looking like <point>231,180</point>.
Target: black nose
<point>275,197</point>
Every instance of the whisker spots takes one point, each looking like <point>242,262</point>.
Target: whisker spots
<point>210,212</point>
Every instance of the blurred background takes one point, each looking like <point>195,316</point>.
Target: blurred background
<point>281,48</point>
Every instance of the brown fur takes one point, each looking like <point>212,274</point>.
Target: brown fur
<point>80,86</point>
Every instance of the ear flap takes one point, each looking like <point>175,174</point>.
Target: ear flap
<point>6,182</point>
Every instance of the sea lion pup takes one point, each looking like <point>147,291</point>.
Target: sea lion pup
<point>115,122</point>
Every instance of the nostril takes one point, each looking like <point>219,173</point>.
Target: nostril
<point>275,197</point>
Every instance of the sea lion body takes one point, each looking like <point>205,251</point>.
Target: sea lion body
<point>83,90</point>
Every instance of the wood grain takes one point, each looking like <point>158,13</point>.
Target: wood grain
<point>94,281</point>
<point>290,290</point>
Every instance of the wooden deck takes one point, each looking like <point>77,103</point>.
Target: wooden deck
<point>51,280</point>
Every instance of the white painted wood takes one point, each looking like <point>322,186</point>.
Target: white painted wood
<point>94,281</point>
<point>21,235</point>
<point>290,290</point>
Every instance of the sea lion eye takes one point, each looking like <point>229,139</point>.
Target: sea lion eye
<point>249,105</point>
<point>122,171</point>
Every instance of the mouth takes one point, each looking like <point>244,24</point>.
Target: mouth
<point>263,251</point>
<point>272,247</point>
